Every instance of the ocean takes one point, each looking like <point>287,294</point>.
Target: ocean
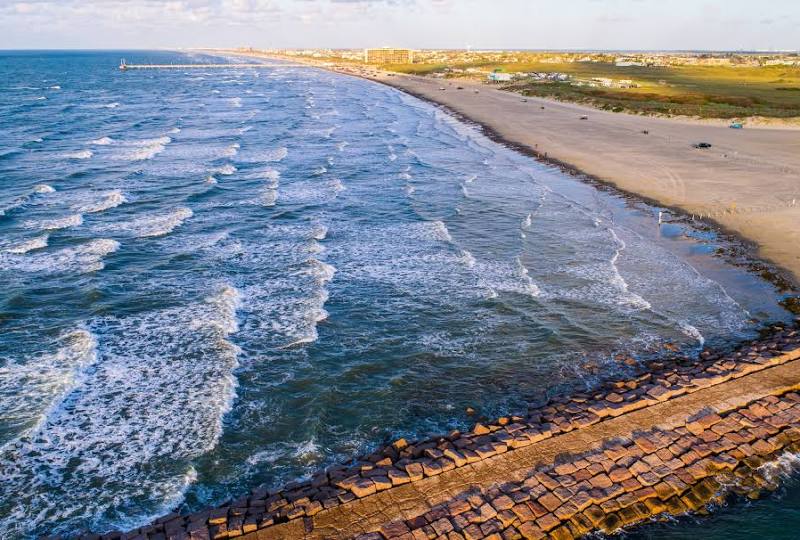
<point>216,279</point>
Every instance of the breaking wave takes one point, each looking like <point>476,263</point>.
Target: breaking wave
<point>151,225</point>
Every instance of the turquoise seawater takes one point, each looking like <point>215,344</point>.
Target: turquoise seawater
<point>213,279</point>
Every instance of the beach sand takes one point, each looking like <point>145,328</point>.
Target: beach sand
<point>748,182</point>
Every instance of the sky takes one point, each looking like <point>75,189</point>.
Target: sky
<point>481,24</point>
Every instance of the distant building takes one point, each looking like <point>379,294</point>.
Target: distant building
<point>388,56</point>
<point>500,77</point>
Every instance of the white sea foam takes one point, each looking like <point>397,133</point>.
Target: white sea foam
<point>781,469</point>
<point>55,223</point>
<point>277,155</point>
<point>43,188</point>
<point>113,105</point>
<point>224,170</point>
<point>141,150</point>
<point>29,245</point>
<point>528,221</point>
<point>530,287</point>
<point>627,297</point>
<point>337,186</point>
<point>151,225</point>
<point>342,145</point>
<point>81,154</point>
<point>106,201</point>
<point>31,388</point>
<point>409,189</point>
<point>692,332</point>
<point>269,197</point>
<point>87,257</point>
<point>440,231</point>
<point>156,392</point>
<point>231,151</point>
<point>55,87</point>
<point>319,232</point>
<point>471,179</point>
<point>236,102</point>
<point>468,258</point>
<point>102,141</point>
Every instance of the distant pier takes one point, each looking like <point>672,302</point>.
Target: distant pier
<point>124,66</point>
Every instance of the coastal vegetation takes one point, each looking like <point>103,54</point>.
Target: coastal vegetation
<point>687,90</point>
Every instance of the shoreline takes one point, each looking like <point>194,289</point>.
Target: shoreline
<point>789,273</point>
<point>696,191</point>
<point>307,518</point>
<point>780,277</point>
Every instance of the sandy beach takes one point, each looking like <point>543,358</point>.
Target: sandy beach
<point>748,181</point>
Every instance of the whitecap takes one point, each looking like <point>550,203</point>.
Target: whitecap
<point>468,258</point>
<point>171,383</point>
<point>30,389</point>
<point>225,170</point>
<point>102,141</point>
<point>87,257</point>
<point>144,149</point>
<point>530,286</point>
<point>528,221</point>
<point>81,154</point>
<point>236,102</point>
<point>231,151</point>
<point>277,155</point>
<point>29,245</point>
<point>108,200</point>
<point>319,232</point>
<point>337,186</point>
<point>43,188</point>
<point>113,105</point>
<point>440,231</point>
<point>55,87</point>
<point>151,225</point>
<point>55,223</point>
<point>269,197</point>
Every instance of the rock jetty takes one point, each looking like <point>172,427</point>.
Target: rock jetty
<point>684,434</point>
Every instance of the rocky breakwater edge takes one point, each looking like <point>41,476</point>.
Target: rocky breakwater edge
<point>687,433</point>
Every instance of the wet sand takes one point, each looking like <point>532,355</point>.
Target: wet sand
<point>748,182</point>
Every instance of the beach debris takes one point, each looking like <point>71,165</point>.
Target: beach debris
<point>702,145</point>
<point>584,117</point>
